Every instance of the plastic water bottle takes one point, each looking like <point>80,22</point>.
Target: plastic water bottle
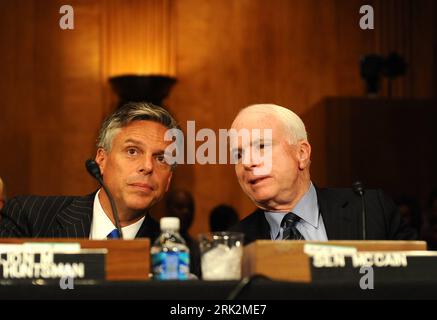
<point>170,254</point>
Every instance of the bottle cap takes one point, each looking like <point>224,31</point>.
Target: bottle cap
<point>170,223</point>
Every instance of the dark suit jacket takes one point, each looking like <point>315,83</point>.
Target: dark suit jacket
<point>341,212</point>
<point>56,217</point>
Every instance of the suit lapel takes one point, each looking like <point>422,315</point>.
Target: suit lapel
<point>261,229</point>
<point>74,221</point>
<point>149,228</point>
<point>263,226</point>
<point>337,217</point>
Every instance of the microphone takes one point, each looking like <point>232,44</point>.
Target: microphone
<point>358,187</point>
<point>94,170</point>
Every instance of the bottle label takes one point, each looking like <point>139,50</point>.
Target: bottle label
<point>171,265</point>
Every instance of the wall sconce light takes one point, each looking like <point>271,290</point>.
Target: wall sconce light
<point>136,88</point>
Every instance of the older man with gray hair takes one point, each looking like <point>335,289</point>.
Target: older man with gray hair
<point>130,154</point>
<point>290,206</point>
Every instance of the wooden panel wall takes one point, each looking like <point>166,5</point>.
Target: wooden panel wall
<point>226,54</point>
<point>51,96</point>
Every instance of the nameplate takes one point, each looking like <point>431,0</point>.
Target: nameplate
<point>49,261</point>
<point>396,266</point>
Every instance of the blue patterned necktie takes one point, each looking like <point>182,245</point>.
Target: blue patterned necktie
<point>114,234</point>
<point>288,224</point>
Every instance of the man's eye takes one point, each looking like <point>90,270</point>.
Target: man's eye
<point>237,155</point>
<point>132,151</point>
<point>264,146</point>
<point>160,158</point>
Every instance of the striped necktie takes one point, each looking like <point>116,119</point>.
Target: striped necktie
<point>288,225</point>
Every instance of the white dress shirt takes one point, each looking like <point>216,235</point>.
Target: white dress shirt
<point>101,225</point>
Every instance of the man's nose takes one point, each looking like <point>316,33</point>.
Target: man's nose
<point>250,161</point>
<point>146,165</point>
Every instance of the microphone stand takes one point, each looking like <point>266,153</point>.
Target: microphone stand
<point>94,170</point>
<point>359,189</point>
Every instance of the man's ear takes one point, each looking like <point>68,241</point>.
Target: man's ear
<point>304,154</point>
<point>101,157</point>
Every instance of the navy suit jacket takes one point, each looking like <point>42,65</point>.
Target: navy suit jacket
<point>341,211</point>
<point>56,217</point>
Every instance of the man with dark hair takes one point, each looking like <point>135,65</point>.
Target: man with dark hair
<point>130,154</point>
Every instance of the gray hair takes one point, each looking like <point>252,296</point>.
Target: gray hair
<point>128,113</point>
<point>291,121</point>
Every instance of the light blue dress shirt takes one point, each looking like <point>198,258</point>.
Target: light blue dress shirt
<point>311,224</point>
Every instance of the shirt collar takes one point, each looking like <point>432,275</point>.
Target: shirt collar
<point>307,209</point>
<point>274,219</point>
<point>101,225</point>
